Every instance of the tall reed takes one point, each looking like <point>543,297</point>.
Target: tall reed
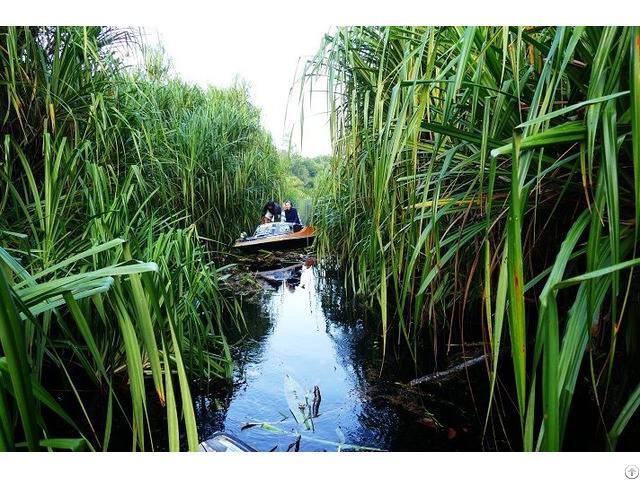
<point>116,185</point>
<point>463,158</point>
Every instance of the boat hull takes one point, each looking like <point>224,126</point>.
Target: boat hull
<point>292,241</point>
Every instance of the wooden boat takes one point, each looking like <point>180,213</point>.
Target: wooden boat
<point>277,236</point>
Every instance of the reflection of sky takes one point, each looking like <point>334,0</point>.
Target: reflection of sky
<point>313,333</point>
<point>298,346</point>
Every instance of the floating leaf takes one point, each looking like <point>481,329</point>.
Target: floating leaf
<point>296,400</point>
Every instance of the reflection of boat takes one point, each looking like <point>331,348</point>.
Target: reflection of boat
<point>277,236</point>
<point>223,442</point>
<point>290,274</point>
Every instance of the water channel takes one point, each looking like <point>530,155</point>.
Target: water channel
<point>306,330</point>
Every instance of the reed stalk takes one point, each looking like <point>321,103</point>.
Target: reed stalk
<point>463,157</point>
<point>117,186</point>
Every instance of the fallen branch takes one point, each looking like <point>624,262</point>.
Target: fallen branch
<point>457,368</point>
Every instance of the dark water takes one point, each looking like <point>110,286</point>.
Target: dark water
<point>308,329</point>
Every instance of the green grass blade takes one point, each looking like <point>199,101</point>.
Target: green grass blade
<point>185,393</point>
<point>498,324</point>
<point>146,327</point>
<point>550,398</point>
<point>7,442</point>
<point>623,419</point>
<point>134,369</point>
<point>61,265</point>
<point>597,273</point>
<point>14,348</point>
<point>173,429</point>
<point>634,82</point>
<point>72,444</point>
<point>517,321</point>
<point>564,111</point>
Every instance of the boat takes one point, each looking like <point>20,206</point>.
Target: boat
<point>224,442</point>
<point>277,236</point>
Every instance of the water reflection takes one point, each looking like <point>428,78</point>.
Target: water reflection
<point>309,329</point>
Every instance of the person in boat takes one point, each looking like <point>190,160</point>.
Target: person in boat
<point>271,212</point>
<point>290,213</point>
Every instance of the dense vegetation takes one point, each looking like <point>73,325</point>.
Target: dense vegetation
<point>301,180</point>
<point>117,186</point>
<point>485,187</point>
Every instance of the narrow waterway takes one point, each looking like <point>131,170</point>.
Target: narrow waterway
<point>304,329</point>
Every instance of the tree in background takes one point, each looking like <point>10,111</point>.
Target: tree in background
<point>302,181</point>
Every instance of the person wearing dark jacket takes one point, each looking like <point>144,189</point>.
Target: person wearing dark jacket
<point>271,212</point>
<point>290,213</point>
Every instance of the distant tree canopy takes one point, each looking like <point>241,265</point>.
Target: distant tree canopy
<point>302,178</point>
<point>307,169</point>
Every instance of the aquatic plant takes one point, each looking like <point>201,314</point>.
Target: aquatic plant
<point>486,182</point>
<point>115,188</point>
<point>304,406</point>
